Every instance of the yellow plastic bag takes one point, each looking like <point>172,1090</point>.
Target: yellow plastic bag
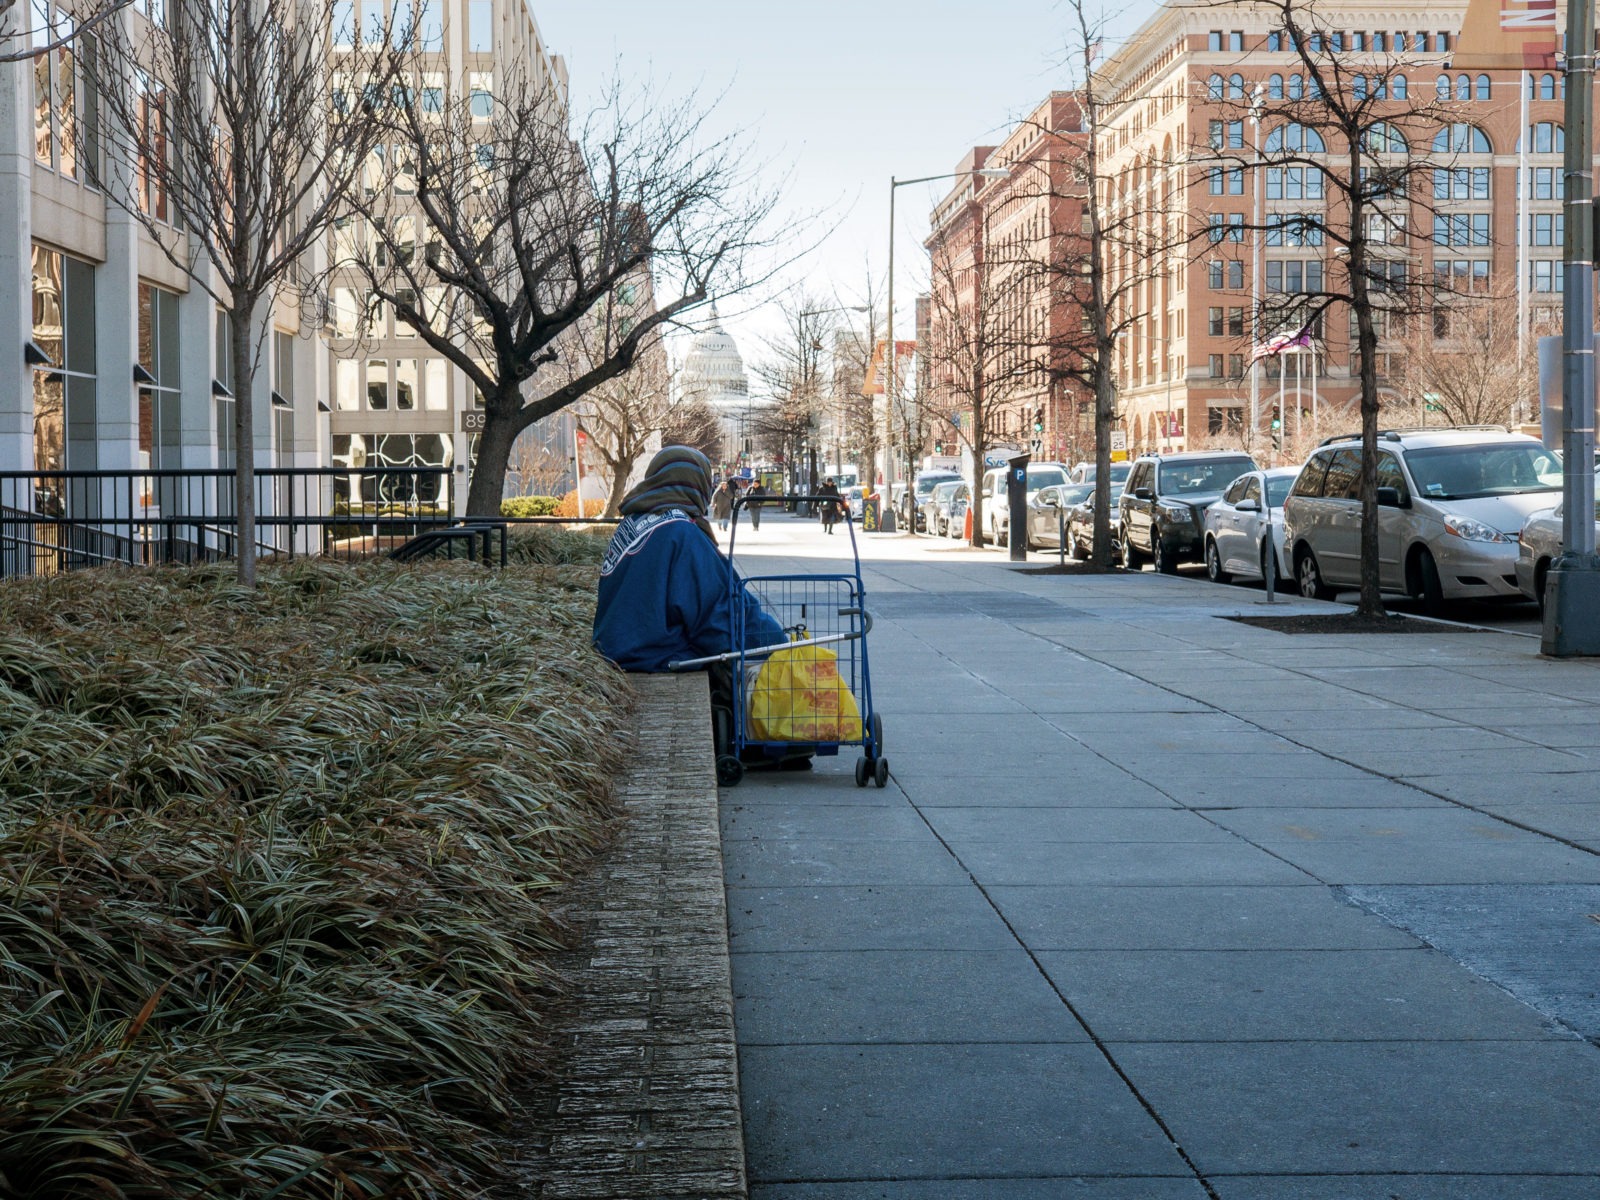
<point>799,696</point>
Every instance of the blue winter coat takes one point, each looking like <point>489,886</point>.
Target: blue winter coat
<point>664,596</point>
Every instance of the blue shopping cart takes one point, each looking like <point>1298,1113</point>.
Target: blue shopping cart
<point>786,699</point>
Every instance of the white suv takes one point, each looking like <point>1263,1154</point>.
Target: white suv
<point>1450,505</point>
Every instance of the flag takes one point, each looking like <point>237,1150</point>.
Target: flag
<point>1282,343</point>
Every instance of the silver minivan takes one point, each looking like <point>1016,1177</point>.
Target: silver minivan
<point>1450,505</point>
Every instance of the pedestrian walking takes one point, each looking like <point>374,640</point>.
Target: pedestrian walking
<point>756,492</point>
<point>722,503</point>
<point>830,505</point>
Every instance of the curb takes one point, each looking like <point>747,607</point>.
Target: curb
<point>648,1104</point>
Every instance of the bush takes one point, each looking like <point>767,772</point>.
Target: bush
<point>274,868</point>
<point>557,545</point>
<point>569,507</point>
<point>529,506</point>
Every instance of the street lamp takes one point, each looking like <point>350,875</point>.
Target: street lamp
<point>890,363</point>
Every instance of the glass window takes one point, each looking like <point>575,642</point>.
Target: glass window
<point>346,384</point>
<point>482,101</point>
<point>436,393</point>
<point>378,384</point>
<point>480,26</point>
<point>43,102</point>
<point>430,26</point>
<point>406,383</point>
<point>1310,480</point>
<point>1343,481</point>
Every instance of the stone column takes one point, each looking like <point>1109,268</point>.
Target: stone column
<point>16,252</point>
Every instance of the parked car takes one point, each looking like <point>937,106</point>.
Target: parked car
<point>996,504</point>
<point>1080,525</point>
<point>1539,545</point>
<point>936,508</point>
<point>1166,498</point>
<point>1085,472</point>
<point>1236,526</point>
<point>1451,504</point>
<point>926,482</point>
<point>853,499</point>
<point>1047,509</point>
<point>960,502</point>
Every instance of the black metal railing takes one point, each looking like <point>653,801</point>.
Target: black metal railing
<point>54,521</point>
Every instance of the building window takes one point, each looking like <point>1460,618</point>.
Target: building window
<point>1235,273</point>
<point>1216,365</point>
<point>1461,183</point>
<point>480,26</point>
<point>283,386</point>
<point>1214,40</point>
<point>1235,366</point>
<point>159,440</point>
<point>1236,322</point>
<point>1547,276</point>
<point>378,384</point>
<point>1274,41</point>
<point>1236,40</point>
<point>1214,271</point>
<point>1294,183</point>
<point>65,433</point>
<point>1214,322</point>
<point>1546,137</point>
<point>1294,276</point>
<point>1461,275</point>
<point>1549,183</point>
<point>407,382</point>
<point>1461,229</point>
<point>1549,229</point>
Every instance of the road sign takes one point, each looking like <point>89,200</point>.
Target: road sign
<point>1119,439</point>
<point>473,420</point>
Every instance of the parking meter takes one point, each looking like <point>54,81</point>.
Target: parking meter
<point>1017,503</point>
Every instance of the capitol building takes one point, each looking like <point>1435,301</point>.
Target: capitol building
<point>714,371</point>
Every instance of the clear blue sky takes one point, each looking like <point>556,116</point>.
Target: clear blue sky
<point>843,94</point>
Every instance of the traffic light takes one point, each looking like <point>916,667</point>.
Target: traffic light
<point>1277,426</point>
<point>1038,421</point>
<point>938,447</point>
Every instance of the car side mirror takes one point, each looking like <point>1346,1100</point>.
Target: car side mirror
<point>1144,493</point>
<point>1248,506</point>
<point>1389,497</point>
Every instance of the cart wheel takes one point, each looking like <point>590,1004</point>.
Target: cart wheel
<point>880,774</point>
<point>863,770</point>
<point>877,734</point>
<point>729,770</point>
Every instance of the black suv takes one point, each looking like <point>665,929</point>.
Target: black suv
<point>1164,499</point>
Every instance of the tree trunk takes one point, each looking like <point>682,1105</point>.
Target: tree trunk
<point>242,326</point>
<point>620,470</point>
<point>1104,414</point>
<point>980,451</point>
<point>494,453</point>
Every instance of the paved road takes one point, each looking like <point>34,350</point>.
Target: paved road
<point>1158,905</point>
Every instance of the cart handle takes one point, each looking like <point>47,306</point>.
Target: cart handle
<point>689,664</point>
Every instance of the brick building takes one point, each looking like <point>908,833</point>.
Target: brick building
<point>1178,140</point>
<point>995,245</point>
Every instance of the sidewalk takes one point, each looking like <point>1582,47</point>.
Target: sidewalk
<point>1160,905</point>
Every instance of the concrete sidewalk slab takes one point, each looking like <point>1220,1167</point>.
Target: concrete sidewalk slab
<point>867,917</point>
<point>1144,1188</point>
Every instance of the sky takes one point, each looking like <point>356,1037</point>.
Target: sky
<point>837,96</point>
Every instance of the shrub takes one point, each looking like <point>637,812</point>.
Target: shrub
<point>274,869</point>
<point>529,506</point>
<point>569,507</point>
<point>557,545</point>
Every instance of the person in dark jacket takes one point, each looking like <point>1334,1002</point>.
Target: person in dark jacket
<point>753,498</point>
<point>722,503</point>
<point>830,507</point>
<point>665,588</point>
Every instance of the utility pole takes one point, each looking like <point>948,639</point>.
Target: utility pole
<point>1572,596</point>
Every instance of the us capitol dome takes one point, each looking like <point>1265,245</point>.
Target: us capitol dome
<point>714,371</point>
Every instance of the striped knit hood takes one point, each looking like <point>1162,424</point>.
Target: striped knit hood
<point>678,477</point>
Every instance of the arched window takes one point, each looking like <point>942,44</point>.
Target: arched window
<point>1236,87</point>
<point>1358,87</point>
<point>1383,138</point>
<point>1461,138</point>
<point>1483,87</point>
<point>1214,88</point>
<point>1441,87</point>
<point>1297,87</point>
<point>1546,138</point>
<point>1397,87</point>
<point>1463,87</point>
<point>1296,139</point>
<point>1275,87</point>
<point>1547,87</point>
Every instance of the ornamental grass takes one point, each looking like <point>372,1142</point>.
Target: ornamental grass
<point>275,870</point>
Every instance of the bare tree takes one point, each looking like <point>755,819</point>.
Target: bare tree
<point>977,369</point>
<point>1347,124</point>
<point>518,232</point>
<point>65,30</point>
<point>223,143</point>
<point>792,368</point>
<point>1462,364</point>
<point>696,424</point>
<point>539,469</point>
<point>625,417</point>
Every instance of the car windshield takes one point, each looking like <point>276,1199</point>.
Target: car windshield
<point>1043,477</point>
<point>1467,472</point>
<point>1076,494</point>
<point>1278,491</point>
<point>1195,478</point>
<point>926,483</point>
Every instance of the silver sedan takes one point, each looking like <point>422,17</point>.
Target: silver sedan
<point>1235,527</point>
<point>1539,545</point>
<point>1047,511</point>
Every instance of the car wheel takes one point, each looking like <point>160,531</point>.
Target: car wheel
<point>1160,557</point>
<point>1130,556</point>
<point>1431,590</point>
<point>1309,577</point>
<point>1214,571</point>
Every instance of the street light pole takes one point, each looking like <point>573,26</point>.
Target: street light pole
<point>1572,590</point>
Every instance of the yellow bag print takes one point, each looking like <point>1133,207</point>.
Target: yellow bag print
<point>800,697</point>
